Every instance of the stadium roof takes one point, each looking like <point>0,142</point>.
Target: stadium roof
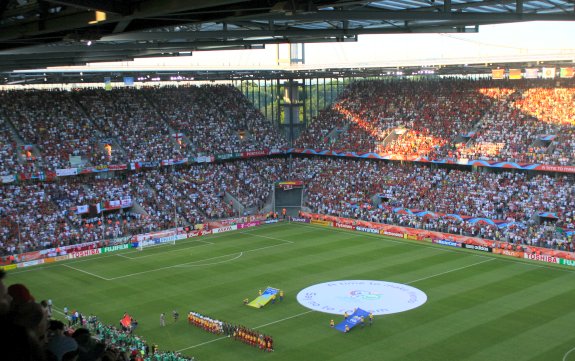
<point>43,33</point>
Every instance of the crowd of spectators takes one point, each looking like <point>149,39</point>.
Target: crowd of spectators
<point>431,114</point>
<point>38,215</point>
<point>128,117</point>
<point>52,121</point>
<point>128,125</point>
<point>30,334</point>
<point>9,163</point>
<point>350,188</point>
<point>216,118</point>
<point>451,119</point>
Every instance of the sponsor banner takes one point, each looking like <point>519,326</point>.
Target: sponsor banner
<point>271,221</point>
<point>7,178</point>
<point>30,263</point>
<point>556,168</point>
<point>567,262</point>
<point>366,229</point>
<point>97,169</point>
<point>166,162</point>
<point>476,247</point>
<point>321,223</point>
<point>343,225</point>
<point>85,253</point>
<point>60,258</point>
<point>28,256</point>
<point>149,164</point>
<point>114,167</point>
<point>50,260</point>
<point>410,236</point>
<point>114,248</point>
<point>159,234</point>
<point>225,229</point>
<point>541,257</point>
<point>205,159</point>
<point>294,183</point>
<point>276,151</point>
<point>9,267</point>
<point>254,153</point>
<point>228,156</point>
<point>299,220</point>
<point>162,240</point>
<point>249,224</point>
<point>446,242</point>
<point>508,252</point>
<point>390,233</point>
<point>199,232</point>
<point>66,172</point>
<point>117,204</point>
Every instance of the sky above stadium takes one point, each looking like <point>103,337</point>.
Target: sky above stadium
<point>532,41</point>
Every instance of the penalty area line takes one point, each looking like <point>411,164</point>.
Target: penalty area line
<point>86,272</point>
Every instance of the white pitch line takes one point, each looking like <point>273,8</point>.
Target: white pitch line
<point>284,319</point>
<point>567,354</point>
<point>453,270</point>
<point>171,250</point>
<point>86,272</point>
<point>210,264</point>
<point>274,238</point>
<point>186,263</point>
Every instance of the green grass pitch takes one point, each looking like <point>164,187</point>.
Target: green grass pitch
<point>480,307</point>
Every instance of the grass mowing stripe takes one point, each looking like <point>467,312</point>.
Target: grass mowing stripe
<point>530,263</point>
<point>487,307</point>
<point>465,300</point>
<point>521,341</point>
<point>86,272</point>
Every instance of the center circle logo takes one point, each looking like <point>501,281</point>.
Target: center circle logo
<point>378,297</point>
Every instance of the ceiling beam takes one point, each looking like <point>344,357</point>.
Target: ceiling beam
<point>359,15</point>
<point>108,6</point>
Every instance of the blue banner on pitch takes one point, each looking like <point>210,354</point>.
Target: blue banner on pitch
<point>353,320</point>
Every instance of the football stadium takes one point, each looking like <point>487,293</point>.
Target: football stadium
<point>392,208</point>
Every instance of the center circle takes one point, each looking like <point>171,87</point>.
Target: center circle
<point>378,297</point>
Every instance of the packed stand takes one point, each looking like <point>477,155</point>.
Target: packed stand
<point>427,114</point>
<point>29,219</point>
<point>129,118</point>
<point>55,123</point>
<point>506,120</point>
<point>347,188</point>
<point>9,162</point>
<point>217,119</point>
